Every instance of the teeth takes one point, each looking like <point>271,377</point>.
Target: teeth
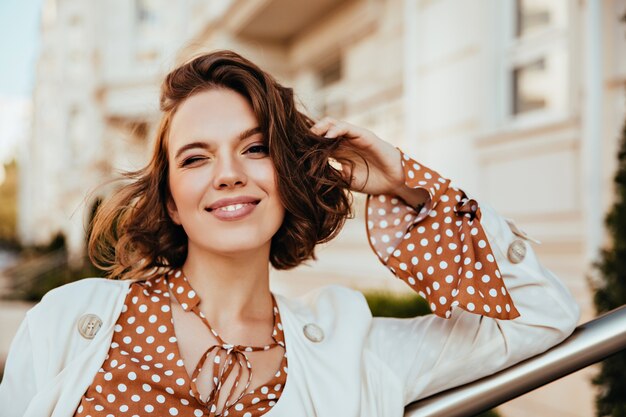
<point>232,207</point>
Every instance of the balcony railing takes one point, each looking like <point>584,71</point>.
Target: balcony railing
<point>590,343</point>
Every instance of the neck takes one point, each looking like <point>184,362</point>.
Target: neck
<point>232,288</point>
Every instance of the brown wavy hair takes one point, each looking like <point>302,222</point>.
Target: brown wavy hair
<point>133,236</point>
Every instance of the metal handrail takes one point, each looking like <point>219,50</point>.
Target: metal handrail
<point>591,342</point>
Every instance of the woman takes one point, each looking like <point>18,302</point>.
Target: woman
<point>239,179</point>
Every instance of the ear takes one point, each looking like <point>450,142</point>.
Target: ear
<point>172,210</point>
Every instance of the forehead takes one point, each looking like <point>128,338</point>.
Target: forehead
<point>214,115</point>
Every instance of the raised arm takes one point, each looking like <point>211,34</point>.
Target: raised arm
<point>494,303</point>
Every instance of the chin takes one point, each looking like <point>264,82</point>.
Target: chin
<point>237,248</point>
<point>234,238</point>
<point>231,245</point>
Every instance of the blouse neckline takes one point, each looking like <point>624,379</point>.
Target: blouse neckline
<point>189,300</point>
<point>180,287</point>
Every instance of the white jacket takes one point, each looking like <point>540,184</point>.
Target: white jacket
<point>363,367</point>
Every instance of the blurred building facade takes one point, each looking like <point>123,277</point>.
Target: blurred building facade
<point>519,102</point>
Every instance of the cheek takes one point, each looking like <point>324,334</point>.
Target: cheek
<point>269,179</point>
<point>186,188</point>
<point>266,178</point>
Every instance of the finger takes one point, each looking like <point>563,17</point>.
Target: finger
<point>340,128</point>
<point>323,125</point>
<point>336,131</point>
<point>318,130</point>
<point>343,129</point>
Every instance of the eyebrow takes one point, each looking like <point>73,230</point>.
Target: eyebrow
<point>203,145</point>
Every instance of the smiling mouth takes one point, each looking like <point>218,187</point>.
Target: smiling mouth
<point>232,207</point>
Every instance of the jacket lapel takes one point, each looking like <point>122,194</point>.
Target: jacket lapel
<point>325,375</point>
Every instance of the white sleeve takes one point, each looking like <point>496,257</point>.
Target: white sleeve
<point>18,385</point>
<point>430,354</point>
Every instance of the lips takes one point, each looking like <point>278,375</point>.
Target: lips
<point>232,204</point>
<point>230,209</point>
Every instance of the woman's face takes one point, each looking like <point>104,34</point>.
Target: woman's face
<point>221,178</point>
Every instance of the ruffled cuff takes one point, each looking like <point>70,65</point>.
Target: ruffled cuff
<point>439,249</point>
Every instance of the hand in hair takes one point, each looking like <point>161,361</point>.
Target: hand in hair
<point>377,167</point>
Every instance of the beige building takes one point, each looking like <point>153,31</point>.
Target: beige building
<point>519,102</point>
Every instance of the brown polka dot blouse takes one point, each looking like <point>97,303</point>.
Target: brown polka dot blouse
<point>439,249</point>
<point>143,373</point>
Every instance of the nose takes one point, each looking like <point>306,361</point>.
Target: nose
<point>228,173</point>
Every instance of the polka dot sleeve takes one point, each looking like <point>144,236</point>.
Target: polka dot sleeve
<point>439,249</point>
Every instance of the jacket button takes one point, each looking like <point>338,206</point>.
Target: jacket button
<point>313,332</point>
<point>517,251</point>
<point>88,325</point>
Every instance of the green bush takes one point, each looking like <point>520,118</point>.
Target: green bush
<point>49,280</point>
<point>387,304</point>
<point>490,413</point>
<point>43,268</point>
<point>610,293</point>
<point>8,208</point>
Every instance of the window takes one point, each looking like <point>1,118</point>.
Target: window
<point>531,16</point>
<point>331,73</point>
<point>331,91</point>
<point>147,25</point>
<point>145,12</point>
<point>529,87</point>
<point>535,60</point>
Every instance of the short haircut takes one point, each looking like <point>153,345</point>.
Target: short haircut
<point>132,234</point>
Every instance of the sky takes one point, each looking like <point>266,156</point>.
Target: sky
<point>19,39</point>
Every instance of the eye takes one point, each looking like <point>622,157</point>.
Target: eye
<point>191,160</point>
<point>258,149</point>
